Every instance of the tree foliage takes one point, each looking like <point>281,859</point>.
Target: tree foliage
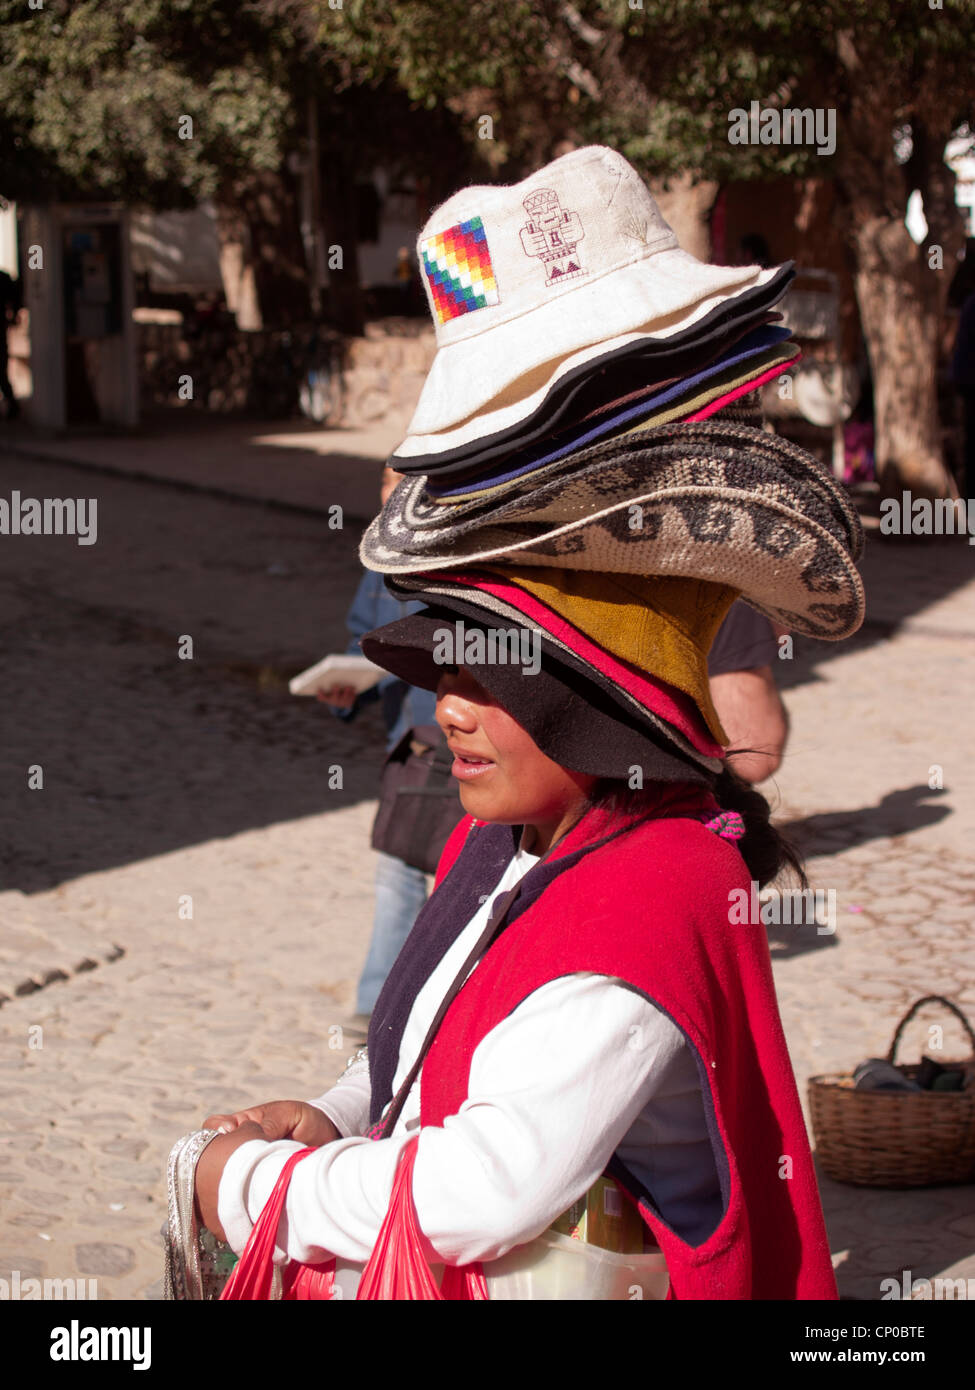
<point>92,92</point>
<point>94,95</point>
<point>97,95</point>
<point>658,81</point>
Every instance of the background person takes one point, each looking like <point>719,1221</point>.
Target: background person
<point>400,890</point>
<point>741,667</point>
<point>10,307</point>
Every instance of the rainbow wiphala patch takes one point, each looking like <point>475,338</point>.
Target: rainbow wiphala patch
<point>458,267</point>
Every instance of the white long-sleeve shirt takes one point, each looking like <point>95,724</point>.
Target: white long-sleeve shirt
<point>582,1068</point>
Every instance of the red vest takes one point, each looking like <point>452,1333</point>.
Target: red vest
<point>651,907</point>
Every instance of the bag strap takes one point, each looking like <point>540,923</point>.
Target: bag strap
<point>433,738</point>
<point>495,925</point>
<point>441,786</point>
<point>918,1004</point>
<point>400,750</point>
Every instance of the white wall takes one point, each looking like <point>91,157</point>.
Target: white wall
<point>180,250</point>
<point>8,239</point>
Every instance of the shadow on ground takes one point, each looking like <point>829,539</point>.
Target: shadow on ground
<point>826,834</point>
<point>114,747</point>
<point>903,577</point>
<point>891,1216</point>
<point>897,813</point>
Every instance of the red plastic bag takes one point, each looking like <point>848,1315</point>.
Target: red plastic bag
<point>252,1275</point>
<point>398,1268</point>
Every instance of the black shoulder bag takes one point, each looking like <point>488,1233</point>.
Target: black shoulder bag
<point>419,801</point>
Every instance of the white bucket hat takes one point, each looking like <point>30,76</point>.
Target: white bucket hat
<point>527,281</point>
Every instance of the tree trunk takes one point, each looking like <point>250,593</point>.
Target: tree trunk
<point>686,205</point>
<point>262,258</point>
<point>280,268</point>
<point>900,313</point>
<point>899,295</point>
<point>345,300</point>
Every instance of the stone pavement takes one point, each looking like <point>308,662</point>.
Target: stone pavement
<point>173,786</point>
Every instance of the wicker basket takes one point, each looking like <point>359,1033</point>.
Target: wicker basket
<point>896,1138</point>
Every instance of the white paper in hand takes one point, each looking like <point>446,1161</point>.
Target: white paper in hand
<point>342,670</point>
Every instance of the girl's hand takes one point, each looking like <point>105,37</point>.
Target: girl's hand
<point>209,1171</point>
<point>279,1119</point>
<point>341,696</point>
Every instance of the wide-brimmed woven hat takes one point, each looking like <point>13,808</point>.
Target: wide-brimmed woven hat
<point>717,500</point>
<point>528,280</point>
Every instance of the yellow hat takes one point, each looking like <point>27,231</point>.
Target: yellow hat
<point>663,624</point>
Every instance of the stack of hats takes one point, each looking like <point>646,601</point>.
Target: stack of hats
<point>587,462</point>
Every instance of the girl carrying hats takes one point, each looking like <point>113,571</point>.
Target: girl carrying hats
<point>577,999</point>
<point>619,1022</point>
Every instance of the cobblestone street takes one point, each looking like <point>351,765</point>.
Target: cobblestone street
<point>124,1021</point>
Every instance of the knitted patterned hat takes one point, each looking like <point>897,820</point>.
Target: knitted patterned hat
<point>717,500</point>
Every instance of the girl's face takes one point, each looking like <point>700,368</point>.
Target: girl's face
<point>506,778</point>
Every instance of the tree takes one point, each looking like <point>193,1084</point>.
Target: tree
<point>659,80</point>
<point>159,103</point>
<point>164,103</point>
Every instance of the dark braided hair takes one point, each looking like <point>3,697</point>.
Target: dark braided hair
<point>765,850</point>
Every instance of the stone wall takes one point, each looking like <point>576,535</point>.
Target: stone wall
<point>281,374</point>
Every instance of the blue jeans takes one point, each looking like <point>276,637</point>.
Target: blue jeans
<point>400,893</point>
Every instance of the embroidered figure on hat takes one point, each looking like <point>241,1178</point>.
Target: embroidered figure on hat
<point>552,235</point>
<point>459,271</point>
